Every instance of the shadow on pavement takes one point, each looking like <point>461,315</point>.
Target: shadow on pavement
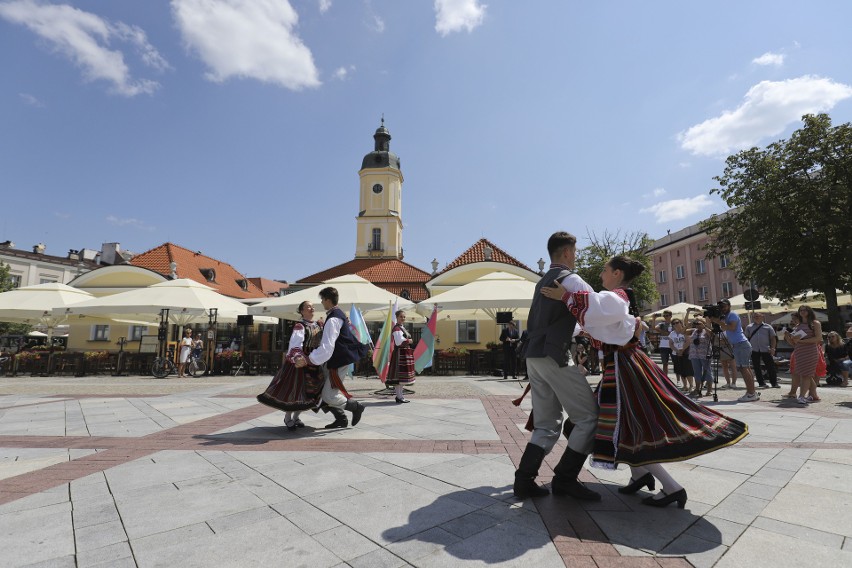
<point>484,534</point>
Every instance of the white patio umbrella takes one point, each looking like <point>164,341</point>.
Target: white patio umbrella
<point>351,288</point>
<point>678,310</point>
<point>785,319</point>
<point>35,304</point>
<point>817,299</point>
<point>484,297</point>
<point>767,305</point>
<point>188,302</point>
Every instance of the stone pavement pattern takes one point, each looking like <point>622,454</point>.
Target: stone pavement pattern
<point>130,471</point>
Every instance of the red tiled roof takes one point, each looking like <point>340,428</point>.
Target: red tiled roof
<point>391,274</point>
<point>269,287</point>
<point>476,253</point>
<point>193,265</point>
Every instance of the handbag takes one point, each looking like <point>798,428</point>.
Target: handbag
<point>820,366</point>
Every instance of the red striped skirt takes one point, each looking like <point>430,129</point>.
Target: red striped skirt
<point>644,418</point>
<point>401,370</point>
<point>294,389</point>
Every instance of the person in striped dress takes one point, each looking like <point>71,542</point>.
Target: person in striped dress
<point>644,419</point>
<point>401,371</point>
<point>806,339</point>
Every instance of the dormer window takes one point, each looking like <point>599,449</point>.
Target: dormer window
<point>243,284</point>
<point>209,274</point>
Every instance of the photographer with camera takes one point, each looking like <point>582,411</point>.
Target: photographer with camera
<point>729,321</point>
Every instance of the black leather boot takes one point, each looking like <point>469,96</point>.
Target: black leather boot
<point>567,426</point>
<point>565,480</point>
<point>340,420</point>
<point>356,408</point>
<point>525,485</point>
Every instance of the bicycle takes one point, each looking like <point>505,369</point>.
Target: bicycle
<point>162,367</point>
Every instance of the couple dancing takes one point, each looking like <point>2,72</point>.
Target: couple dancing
<point>637,416</point>
<point>316,357</point>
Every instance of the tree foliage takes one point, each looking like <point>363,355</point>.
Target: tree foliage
<point>5,286</point>
<point>592,258</point>
<point>789,229</point>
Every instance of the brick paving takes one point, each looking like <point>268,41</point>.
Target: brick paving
<point>574,532</point>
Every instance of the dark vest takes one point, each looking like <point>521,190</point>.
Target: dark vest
<point>347,348</point>
<point>550,324</point>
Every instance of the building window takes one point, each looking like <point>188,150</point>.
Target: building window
<point>662,278</point>
<point>664,300</point>
<point>466,331</point>
<point>724,261</point>
<point>680,272</point>
<point>15,280</point>
<point>700,266</point>
<point>44,280</point>
<point>100,333</point>
<point>681,295</point>
<point>702,293</point>
<point>377,240</point>
<point>727,289</point>
<point>136,332</point>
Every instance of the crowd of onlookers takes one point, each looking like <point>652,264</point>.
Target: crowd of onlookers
<point>688,348</point>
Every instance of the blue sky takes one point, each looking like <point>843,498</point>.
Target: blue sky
<point>237,127</point>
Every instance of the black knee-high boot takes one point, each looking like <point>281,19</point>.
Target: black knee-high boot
<point>356,408</point>
<point>525,485</point>
<point>340,420</point>
<point>565,480</point>
<point>567,427</point>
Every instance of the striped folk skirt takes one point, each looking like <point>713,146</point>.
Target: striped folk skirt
<point>294,389</point>
<point>401,369</point>
<point>644,418</point>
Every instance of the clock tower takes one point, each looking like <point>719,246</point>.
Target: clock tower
<point>380,206</point>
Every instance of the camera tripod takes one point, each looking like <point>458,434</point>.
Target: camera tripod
<point>715,353</point>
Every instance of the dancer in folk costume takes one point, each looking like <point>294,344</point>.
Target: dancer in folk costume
<point>401,370</point>
<point>296,389</point>
<point>644,419</point>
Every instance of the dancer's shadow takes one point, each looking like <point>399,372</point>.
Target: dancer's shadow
<point>470,525</point>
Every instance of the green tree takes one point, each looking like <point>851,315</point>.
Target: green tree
<point>789,229</point>
<point>592,258</point>
<point>5,286</point>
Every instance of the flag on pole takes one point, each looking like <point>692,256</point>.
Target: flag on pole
<point>359,326</point>
<point>384,345</point>
<point>426,346</point>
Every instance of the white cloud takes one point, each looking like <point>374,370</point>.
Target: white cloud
<point>324,6</point>
<point>767,109</point>
<point>343,72</point>
<point>458,15</point>
<point>254,40</point>
<point>378,24</point>
<point>769,58</point>
<point>656,192</point>
<point>676,209</point>
<point>30,100</point>
<point>129,222</point>
<point>83,38</point>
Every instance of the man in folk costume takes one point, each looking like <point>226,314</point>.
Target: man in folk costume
<point>556,383</point>
<point>401,369</point>
<point>337,350</point>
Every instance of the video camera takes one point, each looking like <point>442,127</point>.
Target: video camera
<point>713,310</point>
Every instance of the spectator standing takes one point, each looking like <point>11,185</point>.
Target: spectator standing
<point>664,328</point>
<point>677,340</point>
<point>509,337</point>
<point>806,339</point>
<point>700,350</point>
<point>837,356</point>
<point>763,343</point>
<point>733,327</point>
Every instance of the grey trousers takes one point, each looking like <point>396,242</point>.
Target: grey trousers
<point>330,395</point>
<point>554,388</point>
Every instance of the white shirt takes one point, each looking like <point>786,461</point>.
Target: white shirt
<point>330,333</point>
<point>606,316</point>
<point>665,329</point>
<point>678,340</point>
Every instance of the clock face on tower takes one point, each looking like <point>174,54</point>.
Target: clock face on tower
<point>377,188</point>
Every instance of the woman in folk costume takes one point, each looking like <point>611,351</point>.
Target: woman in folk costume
<point>644,418</point>
<point>401,369</point>
<point>294,390</point>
